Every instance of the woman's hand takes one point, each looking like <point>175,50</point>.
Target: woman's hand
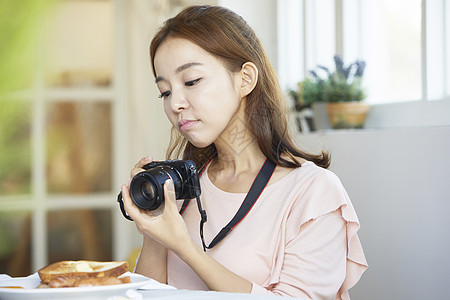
<point>139,167</point>
<point>152,261</point>
<point>165,225</point>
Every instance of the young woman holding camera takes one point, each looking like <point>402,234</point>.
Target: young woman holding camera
<point>298,236</point>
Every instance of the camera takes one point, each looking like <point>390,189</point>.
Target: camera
<point>146,188</point>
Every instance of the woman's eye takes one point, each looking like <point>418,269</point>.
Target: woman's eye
<point>192,82</point>
<point>164,94</point>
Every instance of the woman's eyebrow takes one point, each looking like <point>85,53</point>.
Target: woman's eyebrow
<point>180,69</point>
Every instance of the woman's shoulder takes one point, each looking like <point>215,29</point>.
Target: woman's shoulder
<point>307,173</point>
<point>311,191</point>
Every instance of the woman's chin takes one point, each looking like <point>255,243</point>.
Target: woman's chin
<point>199,141</point>
<point>199,144</point>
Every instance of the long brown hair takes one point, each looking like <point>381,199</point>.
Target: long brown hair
<point>228,37</point>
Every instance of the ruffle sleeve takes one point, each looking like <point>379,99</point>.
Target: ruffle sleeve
<point>322,257</point>
<point>356,262</point>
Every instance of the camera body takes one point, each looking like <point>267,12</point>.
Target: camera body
<point>146,188</point>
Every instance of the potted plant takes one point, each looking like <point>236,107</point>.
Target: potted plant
<point>341,89</point>
<point>302,111</point>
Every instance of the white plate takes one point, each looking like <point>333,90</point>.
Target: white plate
<point>95,292</point>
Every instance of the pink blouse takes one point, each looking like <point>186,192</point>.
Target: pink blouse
<point>300,238</point>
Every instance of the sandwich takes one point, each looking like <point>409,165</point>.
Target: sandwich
<point>83,273</point>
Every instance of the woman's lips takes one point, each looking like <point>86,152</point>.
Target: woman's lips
<point>186,124</point>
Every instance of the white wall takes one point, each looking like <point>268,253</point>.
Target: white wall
<point>261,15</point>
<point>399,183</point>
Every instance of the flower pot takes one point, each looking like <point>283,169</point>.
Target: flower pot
<point>344,115</point>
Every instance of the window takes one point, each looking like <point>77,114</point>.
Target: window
<point>437,51</point>
<point>405,43</point>
<point>59,139</point>
<point>387,34</point>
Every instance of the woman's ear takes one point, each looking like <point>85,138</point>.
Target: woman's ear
<point>249,78</point>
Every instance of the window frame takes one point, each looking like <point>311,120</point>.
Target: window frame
<point>423,112</point>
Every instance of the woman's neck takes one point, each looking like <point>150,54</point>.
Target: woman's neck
<point>234,162</point>
<point>234,171</point>
<point>237,148</point>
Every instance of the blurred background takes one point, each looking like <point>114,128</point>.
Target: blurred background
<point>78,108</point>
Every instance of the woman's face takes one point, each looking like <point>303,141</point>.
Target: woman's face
<point>200,95</point>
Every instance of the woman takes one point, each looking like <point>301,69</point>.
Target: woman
<point>228,114</point>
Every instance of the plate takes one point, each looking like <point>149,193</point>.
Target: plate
<point>95,292</point>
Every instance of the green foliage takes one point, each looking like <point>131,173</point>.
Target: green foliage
<point>312,90</point>
<point>15,147</point>
<point>344,83</point>
<point>11,224</point>
<point>19,25</point>
<point>20,21</point>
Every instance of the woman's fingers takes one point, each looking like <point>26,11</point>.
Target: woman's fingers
<point>164,224</point>
<point>169,194</point>
<point>133,211</point>
<point>127,202</point>
<point>144,161</point>
<point>138,167</point>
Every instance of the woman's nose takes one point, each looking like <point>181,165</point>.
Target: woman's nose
<point>178,101</point>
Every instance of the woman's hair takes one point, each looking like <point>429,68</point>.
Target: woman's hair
<point>227,36</point>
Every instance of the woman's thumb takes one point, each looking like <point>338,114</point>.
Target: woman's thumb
<point>169,193</point>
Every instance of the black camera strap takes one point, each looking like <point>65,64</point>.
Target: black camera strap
<point>255,191</point>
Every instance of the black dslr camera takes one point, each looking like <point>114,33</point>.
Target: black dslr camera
<point>146,188</point>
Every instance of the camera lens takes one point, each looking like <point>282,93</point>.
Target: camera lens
<point>147,190</point>
<point>147,187</point>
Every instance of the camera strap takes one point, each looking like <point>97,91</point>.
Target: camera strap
<point>255,191</point>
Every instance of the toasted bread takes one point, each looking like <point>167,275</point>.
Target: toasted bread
<point>62,282</point>
<point>102,281</point>
<point>82,269</point>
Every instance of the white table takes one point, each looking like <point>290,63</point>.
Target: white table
<point>202,295</point>
<point>140,288</point>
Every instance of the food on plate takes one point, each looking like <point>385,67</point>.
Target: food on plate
<point>83,273</point>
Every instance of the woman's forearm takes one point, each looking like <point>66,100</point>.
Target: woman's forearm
<point>152,260</point>
<point>214,275</point>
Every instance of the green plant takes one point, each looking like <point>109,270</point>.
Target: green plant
<point>20,23</point>
<point>342,84</point>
